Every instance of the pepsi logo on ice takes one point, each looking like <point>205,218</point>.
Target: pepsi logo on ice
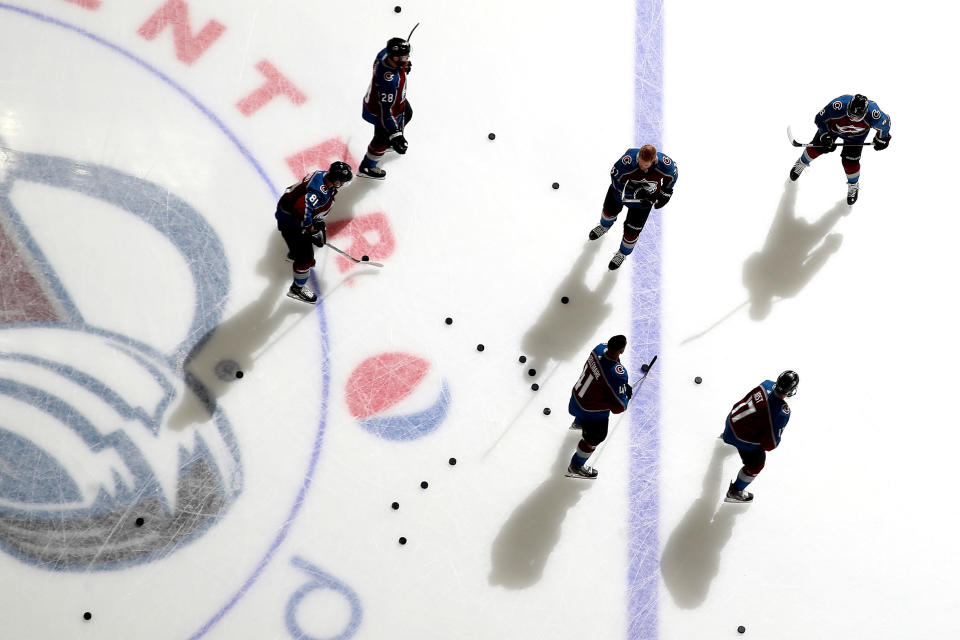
<point>397,396</point>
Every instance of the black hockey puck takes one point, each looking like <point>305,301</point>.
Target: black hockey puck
<point>523,359</point>
<point>87,615</point>
<point>424,484</point>
<point>395,506</point>
<point>556,185</point>
<point>239,374</point>
<point>698,379</point>
<point>741,629</point>
<point>402,540</point>
<point>138,522</point>
<point>452,461</point>
<point>532,372</point>
<point>396,9</point>
<point>564,299</point>
<point>449,320</point>
<point>535,386</point>
<point>644,368</point>
<point>491,136</point>
<point>365,258</point>
<point>546,411</point>
<point>479,347</point>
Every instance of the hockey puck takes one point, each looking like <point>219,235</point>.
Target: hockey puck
<point>698,379</point>
<point>564,299</point>
<point>452,461</point>
<point>87,615</point>
<point>424,484</point>
<point>535,386</point>
<point>396,9</point>
<point>395,506</point>
<point>523,359</point>
<point>741,629</point>
<point>365,258</point>
<point>546,411</point>
<point>532,372</point>
<point>449,320</point>
<point>644,368</point>
<point>402,540</point>
<point>479,347</point>
<point>491,136</point>
<point>239,374</point>
<point>556,185</point>
<point>138,522</point>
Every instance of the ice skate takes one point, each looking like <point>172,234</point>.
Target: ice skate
<point>303,294</point>
<point>738,497</point>
<point>598,231</point>
<point>584,472</point>
<point>374,173</point>
<point>575,427</point>
<point>289,257</point>
<point>852,189</point>
<point>797,170</point>
<point>616,261</point>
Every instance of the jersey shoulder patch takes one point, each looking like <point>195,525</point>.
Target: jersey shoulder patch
<point>388,76</point>
<point>785,408</point>
<point>837,105</point>
<point>323,189</point>
<point>627,159</point>
<point>619,369</point>
<point>667,161</point>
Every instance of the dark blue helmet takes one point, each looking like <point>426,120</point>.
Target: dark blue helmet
<point>398,47</point>
<point>340,172</point>
<point>787,383</point>
<point>857,107</point>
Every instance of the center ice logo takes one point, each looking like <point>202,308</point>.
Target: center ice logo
<point>92,473</point>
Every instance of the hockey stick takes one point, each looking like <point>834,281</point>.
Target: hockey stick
<point>350,257</point>
<point>646,370</point>
<point>624,200</point>
<point>795,143</point>
<point>412,30</point>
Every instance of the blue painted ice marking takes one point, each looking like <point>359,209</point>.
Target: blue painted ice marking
<point>320,579</point>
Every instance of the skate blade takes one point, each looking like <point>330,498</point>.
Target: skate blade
<point>363,175</point>
<point>735,501</point>
<point>299,299</point>
<point>579,477</point>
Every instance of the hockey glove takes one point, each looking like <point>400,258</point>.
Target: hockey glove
<point>407,66</point>
<point>629,392</point>
<point>881,143</point>
<point>826,143</point>
<point>319,233</point>
<point>399,143</point>
<point>663,197</point>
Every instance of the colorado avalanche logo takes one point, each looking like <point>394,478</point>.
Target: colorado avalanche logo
<point>385,392</point>
<point>619,369</point>
<point>837,105</point>
<point>876,114</point>
<point>110,455</point>
<point>627,160</point>
<point>388,76</point>
<point>667,161</point>
<point>786,409</point>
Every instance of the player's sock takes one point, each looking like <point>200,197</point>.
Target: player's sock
<point>300,277</point>
<point>582,454</point>
<point>744,478</point>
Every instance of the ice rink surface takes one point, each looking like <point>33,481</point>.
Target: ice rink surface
<point>147,491</point>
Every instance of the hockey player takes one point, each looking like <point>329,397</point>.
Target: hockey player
<point>385,106</point>
<point>642,179</point>
<point>850,118</point>
<point>300,219</point>
<point>754,426</point>
<point>603,387</point>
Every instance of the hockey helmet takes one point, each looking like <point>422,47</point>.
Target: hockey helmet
<point>787,383</point>
<point>857,107</point>
<point>398,47</point>
<point>340,172</point>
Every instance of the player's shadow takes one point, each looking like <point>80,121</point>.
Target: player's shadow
<point>562,331</point>
<point>794,251</point>
<point>233,344</point>
<point>524,544</point>
<point>691,556</point>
